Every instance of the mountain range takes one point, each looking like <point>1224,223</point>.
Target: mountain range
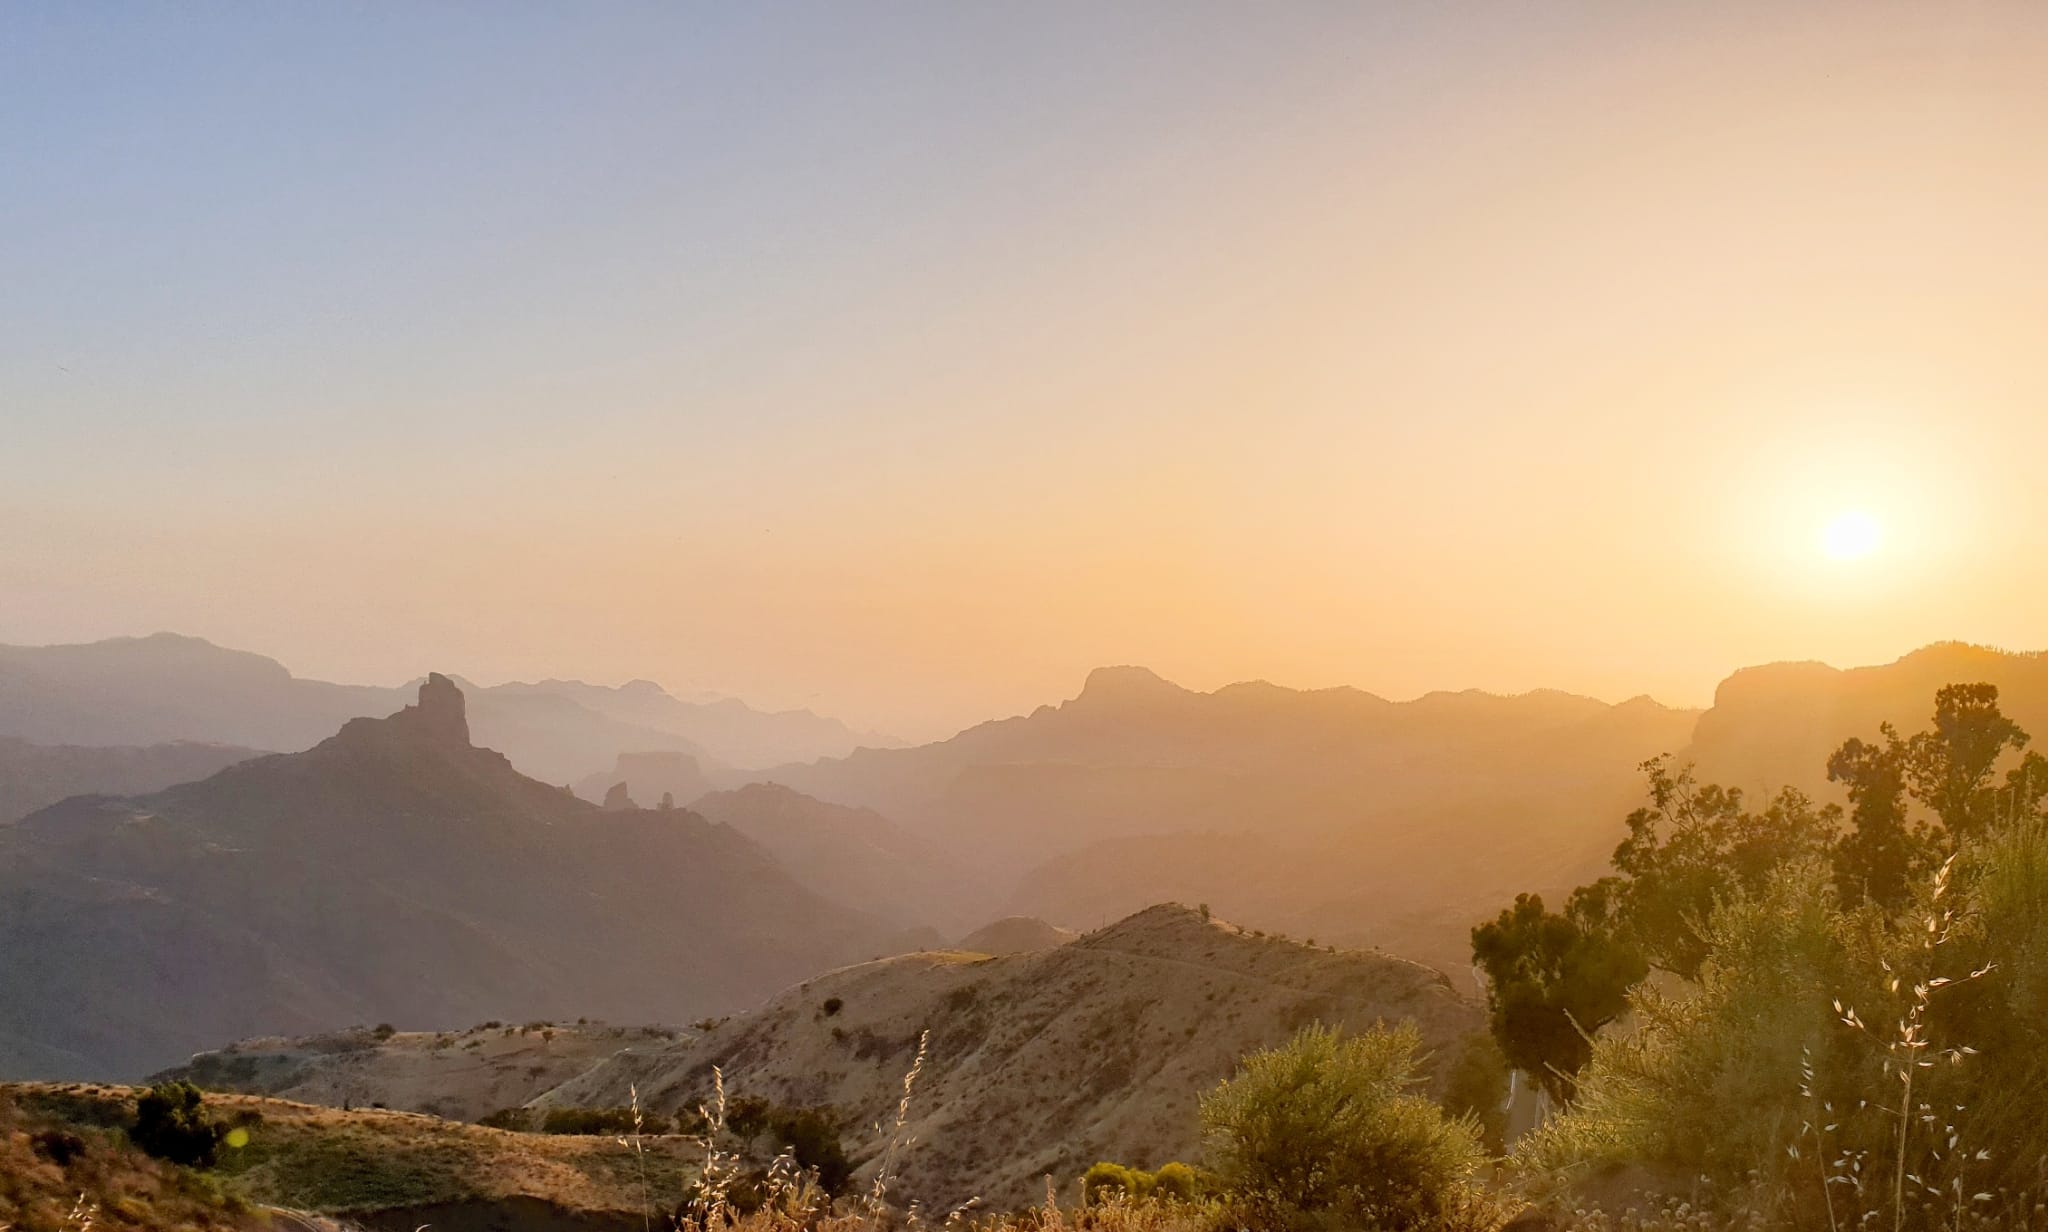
<point>167,687</point>
<point>394,872</point>
<point>35,775</point>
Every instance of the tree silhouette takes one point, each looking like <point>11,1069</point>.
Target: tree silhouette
<point>1552,980</point>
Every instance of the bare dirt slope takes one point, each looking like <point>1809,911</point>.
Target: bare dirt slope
<point>459,1075</point>
<point>1037,1063</point>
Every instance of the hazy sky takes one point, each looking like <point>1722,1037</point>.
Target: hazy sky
<point>906,361</point>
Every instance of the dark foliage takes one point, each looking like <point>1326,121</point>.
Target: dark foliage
<point>171,1123</point>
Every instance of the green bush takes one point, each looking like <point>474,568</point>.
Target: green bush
<point>1106,1180</point>
<point>1779,1077</point>
<point>1175,1182</point>
<point>171,1123</point>
<point>1326,1131</point>
<point>1477,1089</point>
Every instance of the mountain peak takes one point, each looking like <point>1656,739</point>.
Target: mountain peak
<point>439,719</point>
<point>1127,683</point>
<point>443,713</point>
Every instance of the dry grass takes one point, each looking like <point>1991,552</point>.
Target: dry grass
<point>58,1176</point>
<point>309,1158</point>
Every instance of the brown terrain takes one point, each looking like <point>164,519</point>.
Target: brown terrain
<point>1036,1063</point>
<point>458,1075</point>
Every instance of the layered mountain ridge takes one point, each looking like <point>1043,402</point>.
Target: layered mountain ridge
<point>393,872</point>
<point>168,687</point>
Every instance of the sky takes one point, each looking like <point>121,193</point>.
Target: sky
<point>906,361</point>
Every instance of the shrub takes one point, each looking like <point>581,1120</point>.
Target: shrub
<point>591,1121</point>
<point>171,1124</point>
<point>746,1116</point>
<point>1477,1088</point>
<point>58,1146</point>
<point>1326,1131</point>
<point>1820,1024</point>
<point>519,1120</point>
<point>1175,1182</point>
<point>811,1136</point>
<point>1106,1180</point>
<point>832,1006</point>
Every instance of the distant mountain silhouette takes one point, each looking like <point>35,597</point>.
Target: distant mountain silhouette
<point>647,777</point>
<point>1016,934</point>
<point>166,687</point>
<point>1463,800</point>
<point>393,872</point>
<point>728,730</point>
<point>1331,813</point>
<point>35,775</point>
<point>854,856</point>
<point>1774,726</point>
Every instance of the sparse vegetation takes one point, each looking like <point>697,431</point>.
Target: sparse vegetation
<point>1328,1131</point>
<point>172,1124</point>
<point>1865,1022</point>
<point>607,1121</point>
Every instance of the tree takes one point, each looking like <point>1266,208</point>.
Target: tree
<point>171,1124</point>
<point>1553,979</point>
<point>1695,846</point>
<point>1884,852</point>
<point>1949,772</point>
<point>1327,1129</point>
<point>1950,767</point>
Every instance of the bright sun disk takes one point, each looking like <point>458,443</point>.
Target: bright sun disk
<point>1850,536</point>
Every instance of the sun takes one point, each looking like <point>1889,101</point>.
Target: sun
<point>1851,535</point>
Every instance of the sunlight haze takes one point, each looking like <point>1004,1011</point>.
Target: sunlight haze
<point>906,363</point>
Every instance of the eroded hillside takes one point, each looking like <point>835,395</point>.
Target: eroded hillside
<point>1036,1063</point>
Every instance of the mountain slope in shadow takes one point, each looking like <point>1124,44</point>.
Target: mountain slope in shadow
<point>394,872</point>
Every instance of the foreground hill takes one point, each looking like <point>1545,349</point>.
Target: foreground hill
<point>35,775</point>
<point>394,873</point>
<point>1040,1062</point>
<point>163,688</point>
<point>460,1075</point>
<point>66,1166</point>
<point>388,1171</point>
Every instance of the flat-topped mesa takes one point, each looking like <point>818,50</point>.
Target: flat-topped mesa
<point>1128,685</point>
